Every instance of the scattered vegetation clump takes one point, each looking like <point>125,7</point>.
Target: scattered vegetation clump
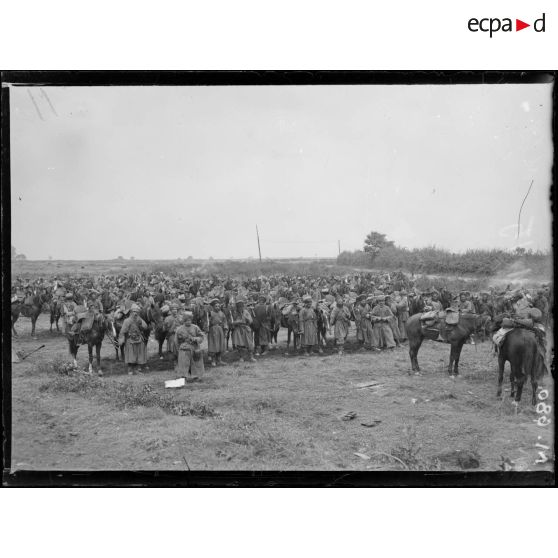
<point>409,449</point>
<point>123,396</point>
<point>57,365</point>
<point>83,384</point>
<point>130,396</point>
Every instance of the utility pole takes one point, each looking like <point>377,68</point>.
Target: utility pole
<point>339,246</point>
<point>259,250</point>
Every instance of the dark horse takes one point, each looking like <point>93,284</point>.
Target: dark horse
<point>520,350</point>
<point>456,336</point>
<point>291,322</point>
<point>93,338</point>
<point>32,310</point>
<point>55,307</point>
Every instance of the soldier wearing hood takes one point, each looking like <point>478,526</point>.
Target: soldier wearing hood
<point>131,336</point>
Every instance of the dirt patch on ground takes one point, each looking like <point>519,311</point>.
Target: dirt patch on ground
<point>283,412</point>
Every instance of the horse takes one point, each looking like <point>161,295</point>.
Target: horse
<point>323,326</point>
<point>456,336</point>
<point>275,323</point>
<point>159,331</point>
<point>26,310</point>
<point>291,322</point>
<point>55,307</point>
<point>416,304</point>
<point>520,349</point>
<point>93,338</point>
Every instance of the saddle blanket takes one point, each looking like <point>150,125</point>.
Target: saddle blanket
<point>500,335</point>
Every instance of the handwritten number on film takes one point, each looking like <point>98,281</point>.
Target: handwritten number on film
<point>542,409</point>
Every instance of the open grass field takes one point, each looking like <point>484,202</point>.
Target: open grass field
<point>281,413</point>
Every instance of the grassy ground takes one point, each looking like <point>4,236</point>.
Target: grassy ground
<point>284,412</point>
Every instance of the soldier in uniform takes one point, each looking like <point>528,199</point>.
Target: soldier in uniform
<point>170,325</point>
<point>69,312</point>
<point>435,302</point>
<point>541,302</point>
<point>189,338</point>
<point>340,320</point>
<point>262,319</point>
<point>135,351</point>
<point>359,310</point>
<point>485,307</point>
<point>308,324</point>
<point>381,316</point>
<point>217,336</point>
<point>464,304</point>
<point>402,305</point>
<point>241,322</point>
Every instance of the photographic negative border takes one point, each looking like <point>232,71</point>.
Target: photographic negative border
<point>237,478</point>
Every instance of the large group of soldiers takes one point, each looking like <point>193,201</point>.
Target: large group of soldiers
<point>200,314</point>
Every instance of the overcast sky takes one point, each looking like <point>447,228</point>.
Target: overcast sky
<point>168,172</point>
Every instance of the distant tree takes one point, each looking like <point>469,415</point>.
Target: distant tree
<point>14,253</point>
<point>189,258</point>
<point>20,257</point>
<point>50,257</point>
<point>132,258</point>
<point>120,258</point>
<point>210,258</point>
<point>375,242</point>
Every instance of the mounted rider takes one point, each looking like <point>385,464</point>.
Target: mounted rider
<point>69,312</point>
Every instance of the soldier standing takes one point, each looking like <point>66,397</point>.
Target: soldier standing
<point>308,326</point>
<point>135,350</point>
<point>217,336</point>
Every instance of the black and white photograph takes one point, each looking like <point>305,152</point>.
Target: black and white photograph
<point>314,275</point>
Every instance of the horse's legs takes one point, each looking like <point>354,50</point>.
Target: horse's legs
<point>98,355</point>
<point>33,323</point>
<point>457,354</point>
<point>161,349</point>
<point>289,331</point>
<point>73,351</point>
<point>414,346</point>
<point>90,351</point>
<point>501,365</point>
<point>534,386</point>
<point>14,332</point>
<point>519,381</point>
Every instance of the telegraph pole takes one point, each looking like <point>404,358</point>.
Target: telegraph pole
<point>339,246</point>
<point>259,250</point>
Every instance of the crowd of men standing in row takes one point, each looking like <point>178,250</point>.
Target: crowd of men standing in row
<point>249,312</point>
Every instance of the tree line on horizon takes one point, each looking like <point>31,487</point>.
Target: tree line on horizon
<point>380,253</point>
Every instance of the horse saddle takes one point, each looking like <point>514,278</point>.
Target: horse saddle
<point>433,326</point>
<point>452,317</point>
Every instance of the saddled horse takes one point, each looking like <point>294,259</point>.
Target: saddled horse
<point>31,307</point>
<point>455,335</point>
<point>93,337</point>
<point>520,349</point>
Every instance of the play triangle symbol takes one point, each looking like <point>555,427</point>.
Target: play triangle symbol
<point>519,25</point>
